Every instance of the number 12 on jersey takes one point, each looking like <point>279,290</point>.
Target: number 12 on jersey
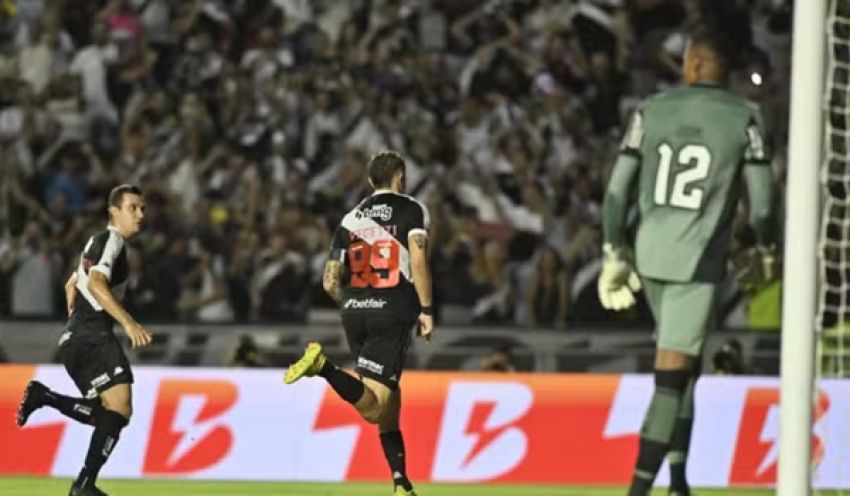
<point>365,260</point>
<point>685,193</point>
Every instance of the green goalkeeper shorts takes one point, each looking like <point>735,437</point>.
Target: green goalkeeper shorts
<point>684,313</point>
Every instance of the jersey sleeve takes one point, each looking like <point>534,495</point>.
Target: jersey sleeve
<point>633,138</point>
<point>615,206</point>
<point>339,244</point>
<point>758,150</point>
<point>759,176</point>
<point>102,252</point>
<point>760,189</point>
<point>420,219</point>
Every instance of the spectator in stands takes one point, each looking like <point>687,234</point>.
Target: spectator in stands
<point>35,273</point>
<point>165,262</point>
<point>248,124</point>
<point>240,273</point>
<point>141,295</point>
<point>205,290</point>
<point>92,63</point>
<point>548,292</point>
<point>729,360</point>
<point>7,266</point>
<point>454,257</point>
<point>279,282</point>
<point>500,360</point>
<point>246,353</point>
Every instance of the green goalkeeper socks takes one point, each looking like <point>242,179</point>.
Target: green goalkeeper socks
<point>658,428</point>
<point>680,444</point>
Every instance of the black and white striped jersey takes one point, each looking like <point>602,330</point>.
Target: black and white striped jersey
<point>103,253</point>
<point>372,241</point>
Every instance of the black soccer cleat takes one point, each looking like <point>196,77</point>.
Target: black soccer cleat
<point>679,492</point>
<point>35,397</point>
<point>85,491</point>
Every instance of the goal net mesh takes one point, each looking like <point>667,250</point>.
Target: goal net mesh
<point>832,323</point>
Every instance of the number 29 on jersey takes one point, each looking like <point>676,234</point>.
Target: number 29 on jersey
<point>374,265</point>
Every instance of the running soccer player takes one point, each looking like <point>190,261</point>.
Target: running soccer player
<point>88,347</point>
<point>383,244</point>
<point>685,151</point>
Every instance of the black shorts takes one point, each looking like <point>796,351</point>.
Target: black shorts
<point>380,344</point>
<point>95,363</point>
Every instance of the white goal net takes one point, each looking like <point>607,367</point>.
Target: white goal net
<point>832,323</point>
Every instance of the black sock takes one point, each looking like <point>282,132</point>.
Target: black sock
<point>647,467</point>
<point>348,388</point>
<point>108,425</point>
<point>79,409</point>
<point>393,444</point>
<point>657,431</point>
<point>680,444</point>
<point>679,456</point>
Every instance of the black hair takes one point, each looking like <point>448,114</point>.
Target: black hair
<point>714,40</point>
<point>116,196</point>
<point>504,349</point>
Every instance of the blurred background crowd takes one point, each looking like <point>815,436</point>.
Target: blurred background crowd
<point>248,124</point>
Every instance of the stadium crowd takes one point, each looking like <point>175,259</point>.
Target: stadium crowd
<point>248,123</point>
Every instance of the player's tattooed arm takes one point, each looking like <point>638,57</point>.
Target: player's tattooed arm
<point>332,280</point>
<point>418,245</point>
<point>421,242</point>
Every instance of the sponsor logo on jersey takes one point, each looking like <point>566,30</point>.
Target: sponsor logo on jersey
<point>85,410</point>
<point>100,380</point>
<point>369,303</point>
<point>375,368</point>
<point>383,212</point>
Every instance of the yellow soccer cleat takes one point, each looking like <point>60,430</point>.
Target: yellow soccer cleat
<point>399,491</point>
<point>308,365</point>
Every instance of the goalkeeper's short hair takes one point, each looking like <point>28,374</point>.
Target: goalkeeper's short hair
<point>712,38</point>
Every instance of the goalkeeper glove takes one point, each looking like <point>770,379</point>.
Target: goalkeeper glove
<point>755,267</point>
<point>618,281</point>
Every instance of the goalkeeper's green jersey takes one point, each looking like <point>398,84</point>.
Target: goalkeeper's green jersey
<point>693,143</point>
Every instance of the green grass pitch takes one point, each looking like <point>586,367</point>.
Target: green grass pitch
<point>59,487</point>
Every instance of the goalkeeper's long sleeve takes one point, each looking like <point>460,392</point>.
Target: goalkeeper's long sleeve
<point>616,206</point>
<point>759,179</point>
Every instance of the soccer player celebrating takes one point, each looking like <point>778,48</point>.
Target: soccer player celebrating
<point>88,347</point>
<point>382,243</point>
<point>685,152</point>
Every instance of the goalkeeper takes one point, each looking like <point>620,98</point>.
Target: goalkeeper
<point>683,157</point>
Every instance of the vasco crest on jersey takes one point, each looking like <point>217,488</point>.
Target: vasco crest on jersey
<point>383,212</point>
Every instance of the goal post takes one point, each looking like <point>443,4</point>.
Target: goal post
<point>801,247</point>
